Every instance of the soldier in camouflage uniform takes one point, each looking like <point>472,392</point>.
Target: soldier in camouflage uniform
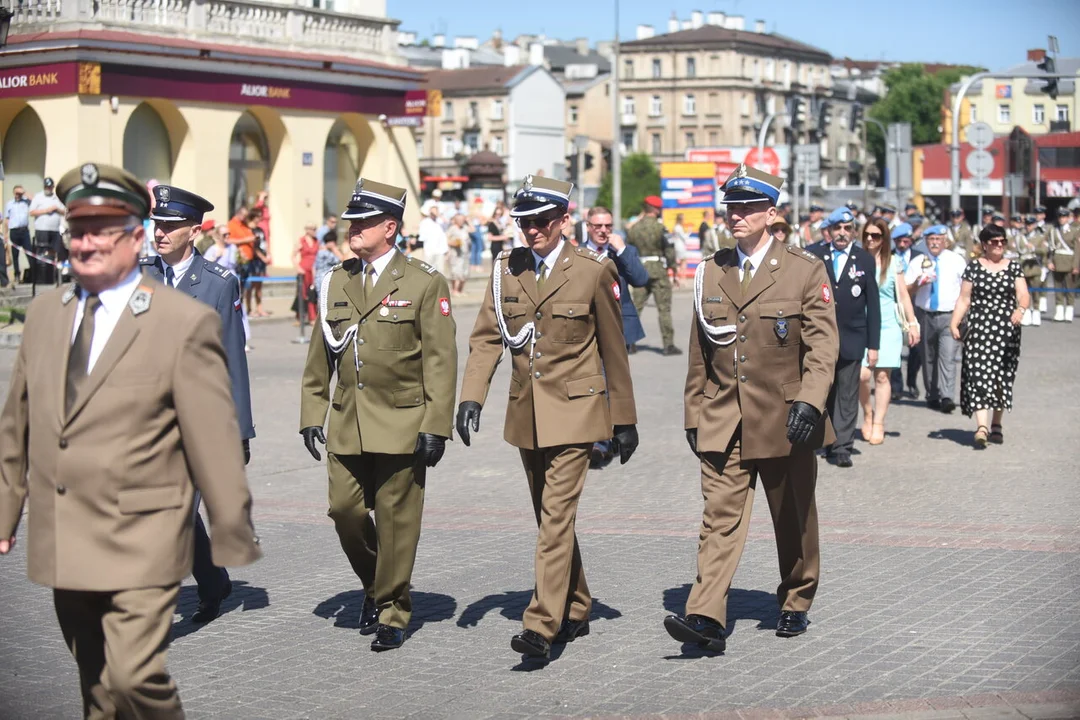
<point>657,255</point>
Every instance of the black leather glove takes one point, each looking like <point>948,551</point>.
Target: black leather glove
<point>430,448</point>
<point>691,439</point>
<point>468,413</point>
<point>247,451</point>
<point>626,440</point>
<point>311,434</point>
<point>801,420</point>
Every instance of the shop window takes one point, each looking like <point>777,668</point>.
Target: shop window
<point>24,153</point>
<point>249,162</point>
<point>342,159</point>
<point>147,149</point>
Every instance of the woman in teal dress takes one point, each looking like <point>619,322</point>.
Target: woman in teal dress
<point>897,317</point>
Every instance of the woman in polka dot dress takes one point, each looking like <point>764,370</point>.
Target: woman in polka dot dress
<point>996,294</point>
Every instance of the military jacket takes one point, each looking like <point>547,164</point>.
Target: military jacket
<point>1062,242</point>
<point>650,238</point>
<point>571,385</point>
<point>396,372</point>
<point>782,347</point>
<point>961,237</point>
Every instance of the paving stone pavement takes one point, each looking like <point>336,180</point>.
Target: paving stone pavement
<point>950,578</point>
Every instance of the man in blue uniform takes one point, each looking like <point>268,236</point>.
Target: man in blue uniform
<point>178,216</point>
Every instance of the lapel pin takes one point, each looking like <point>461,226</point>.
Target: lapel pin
<point>383,311</point>
<point>773,261</point>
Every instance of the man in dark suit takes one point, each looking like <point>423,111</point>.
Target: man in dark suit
<point>632,273</point>
<point>852,273</point>
<point>902,239</point>
<point>177,217</point>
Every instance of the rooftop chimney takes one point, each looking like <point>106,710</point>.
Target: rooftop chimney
<point>716,18</point>
<point>438,40</point>
<point>581,45</point>
<point>759,26</point>
<point>1036,56</point>
<point>697,19</point>
<point>536,53</point>
<point>673,23</point>
<point>645,32</point>
<point>735,22</point>
<point>466,41</point>
<point>511,55</point>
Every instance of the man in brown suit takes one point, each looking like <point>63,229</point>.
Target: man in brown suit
<point>386,331</point>
<point>119,409</point>
<point>763,348</point>
<point>556,307</point>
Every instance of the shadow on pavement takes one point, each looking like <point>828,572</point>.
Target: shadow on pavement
<point>243,594</point>
<point>742,605</point>
<point>513,604</point>
<point>965,438</point>
<point>345,607</point>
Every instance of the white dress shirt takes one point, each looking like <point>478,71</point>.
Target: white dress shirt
<point>433,236</point>
<point>178,269</point>
<point>549,260</point>
<point>950,274</point>
<point>755,259</point>
<point>602,250</point>
<point>113,302</point>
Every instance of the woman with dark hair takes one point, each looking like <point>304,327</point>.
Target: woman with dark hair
<point>994,297</point>
<point>897,318</point>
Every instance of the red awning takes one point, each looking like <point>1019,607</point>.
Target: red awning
<point>446,178</point>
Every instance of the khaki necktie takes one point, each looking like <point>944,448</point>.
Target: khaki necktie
<point>542,277</point>
<point>747,275</point>
<point>369,279</point>
<point>79,358</point>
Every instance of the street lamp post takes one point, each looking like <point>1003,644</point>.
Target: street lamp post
<point>616,124</point>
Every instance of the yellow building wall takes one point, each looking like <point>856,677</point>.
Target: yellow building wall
<point>82,129</point>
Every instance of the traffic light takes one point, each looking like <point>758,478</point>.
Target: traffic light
<point>856,117</point>
<point>588,161</point>
<point>824,117</point>
<point>1051,87</point>
<point>798,112</point>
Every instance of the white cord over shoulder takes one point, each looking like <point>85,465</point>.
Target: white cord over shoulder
<point>527,332</point>
<point>713,332</point>
<point>336,345</point>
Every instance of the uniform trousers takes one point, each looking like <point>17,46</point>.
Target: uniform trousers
<point>939,354</point>
<point>556,478</point>
<point>1067,281</point>
<point>728,483</point>
<point>20,239</point>
<point>382,551</point>
<point>658,286</point>
<point>843,405</point>
<point>119,641</point>
<point>1032,270</point>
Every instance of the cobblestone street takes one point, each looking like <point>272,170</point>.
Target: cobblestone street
<point>950,577</point>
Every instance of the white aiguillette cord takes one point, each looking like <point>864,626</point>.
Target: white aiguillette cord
<point>336,345</point>
<point>712,332</point>
<point>527,333</point>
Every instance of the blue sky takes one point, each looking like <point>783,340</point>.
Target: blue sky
<point>991,33</point>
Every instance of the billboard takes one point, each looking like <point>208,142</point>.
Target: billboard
<point>773,160</point>
<point>687,189</point>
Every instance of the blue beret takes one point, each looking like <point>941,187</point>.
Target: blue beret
<point>173,204</point>
<point>901,230</point>
<point>840,215</point>
<point>936,230</point>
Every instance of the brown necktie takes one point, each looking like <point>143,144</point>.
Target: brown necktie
<point>542,277</point>
<point>747,275</point>
<point>79,358</point>
<point>369,280</point>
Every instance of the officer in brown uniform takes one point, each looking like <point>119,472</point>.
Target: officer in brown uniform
<point>556,307</point>
<point>763,348</point>
<point>118,411</point>
<point>386,331</point>
<point>1062,240</point>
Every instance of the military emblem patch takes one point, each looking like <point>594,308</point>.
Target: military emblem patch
<point>444,306</point>
<point>615,290</point>
<point>163,193</point>
<point>781,329</point>
<point>140,300</point>
<point>826,293</point>
<point>88,173</point>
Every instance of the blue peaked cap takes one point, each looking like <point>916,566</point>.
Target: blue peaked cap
<point>173,204</point>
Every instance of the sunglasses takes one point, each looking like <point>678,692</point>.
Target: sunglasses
<point>537,222</point>
<point>601,226</point>
<point>995,241</point>
<point>873,235</point>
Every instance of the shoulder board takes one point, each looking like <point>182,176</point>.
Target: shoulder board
<point>217,269</point>
<point>148,260</point>
<point>800,252</point>
<point>710,256</point>
<point>420,264</point>
<point>591,254</point>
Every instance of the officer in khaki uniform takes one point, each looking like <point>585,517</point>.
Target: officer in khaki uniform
<point>1062,241</point>
<point>386,331</point>
<point>763,348</point>
<point>556,307</point>
<point>1032,246</point>
<point>961,238</point>
<point>657,255</point>
<point>119,410</point>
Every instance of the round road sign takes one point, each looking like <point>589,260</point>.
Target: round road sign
<point>980,135</point>
<point>979,163</point>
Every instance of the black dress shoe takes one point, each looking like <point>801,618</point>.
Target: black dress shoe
<point>671,350</point>
<point>947,405</point>
<point>897,396</point>
<point>913,392</point>
<point>843,461</point>
<point>388,638</point>
<point>210,609</point>
<point>631,349</point>
<point>369,617</point>
<point>792,623</point>
<point>698,630</point>
<point>933,404</point>
<point>572,629</point>
<point>532,644</point>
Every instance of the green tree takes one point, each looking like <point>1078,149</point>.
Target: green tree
<point>640,177</point>
<point>914,96</point>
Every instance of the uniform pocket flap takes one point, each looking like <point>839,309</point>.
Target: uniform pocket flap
<point>780,308</point>
<point>338,314</point>
<point>512,309</point>
<point>570,310</point>
<point>338,392</point>
<point>711,389</point>
<point>140,500</point>
<point>409,397</point>
<point>791,390</point>
<point>395,315</point>
<point>583,387</point>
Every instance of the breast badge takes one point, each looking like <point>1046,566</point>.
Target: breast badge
<point>781,329</point>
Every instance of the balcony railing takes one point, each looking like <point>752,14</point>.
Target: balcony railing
<point>244,22</point>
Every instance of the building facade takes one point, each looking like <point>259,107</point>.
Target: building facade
<point>215,99</point>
